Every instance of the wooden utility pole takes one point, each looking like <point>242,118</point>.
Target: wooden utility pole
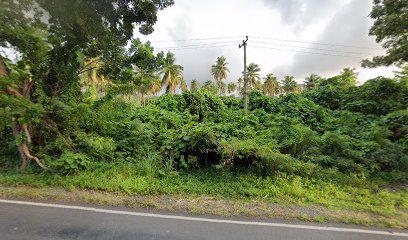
<point>244,43</point>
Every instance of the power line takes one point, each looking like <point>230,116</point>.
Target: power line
<point>196,45</point>
<point>318,43</point>
<point>193,47</point>
<point>311,48</point>
<point>183,48</point>
<point>291,50</point>
<point>268,38</point>
<point>196,39</point>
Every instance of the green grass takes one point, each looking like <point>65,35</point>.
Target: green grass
<point>220,184</point>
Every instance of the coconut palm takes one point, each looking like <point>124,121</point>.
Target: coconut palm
<point>231,87</point>
<point>240,86</point>
<point>312,81</point>
<point>258,85</point>
<point>219,70</point>
<point>172,73</point>
<point>253,75</point>
<point>155,87</point>
<point>271,85</point>
<point>194,86</point>
<point>144,78</point>
<point>222,88</point>
<point>91,76</point>
<point>210,86</point>
<point>183,85</point>
<point>289,84</point>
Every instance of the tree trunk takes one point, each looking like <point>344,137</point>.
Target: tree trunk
<point>23,148</point>
<point>16,126</point>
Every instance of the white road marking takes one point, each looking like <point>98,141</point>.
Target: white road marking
<point>199,219</point>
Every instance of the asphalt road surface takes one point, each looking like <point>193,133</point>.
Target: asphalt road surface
<point>34,221</point>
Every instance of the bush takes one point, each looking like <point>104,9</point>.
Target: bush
<point>378,96</point>
<point>397,122</point>
<point>241,152</point>
<point>97,147</point>
<point>278,162</point>
<point>203,141</point>
<point>71,163</point>
<point>174,103</point>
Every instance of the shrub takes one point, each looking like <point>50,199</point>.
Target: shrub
<point>71,163</point>
<point>378,96</point>
<point>397,122</point>
<point>174,103</point>
<point>241,152</point>
<point>278,162</point>
<point>98,147</point>
<point>203,140</point>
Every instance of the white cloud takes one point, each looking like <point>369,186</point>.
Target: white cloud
<point>333,21</point>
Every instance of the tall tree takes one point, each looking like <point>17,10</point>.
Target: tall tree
<point>232,87</point>
<point>172,73</point>
<point>222,88</point>
<point>144,79</point>
<point>289,84</point>
<point>240,86</point>
<point>391,29</point>
<point>312,81</point>
<point>210,86</point>
<point>219,70</point>
<point>349,77</point>
<point>91,75</point>
<point>194,85</point>
<point>253,75</point>
<point>271,85</point>
<point>155,87</point>
<point>53,52</point>
<point>183,85</point>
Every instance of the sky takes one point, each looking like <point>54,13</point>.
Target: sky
<point>282,34</point>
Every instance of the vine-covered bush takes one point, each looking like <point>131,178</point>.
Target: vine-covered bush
<point>294,133</point>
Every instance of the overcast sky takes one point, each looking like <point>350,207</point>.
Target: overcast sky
<point>267,23</point>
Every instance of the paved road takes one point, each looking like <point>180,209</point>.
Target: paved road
<point>21,221</point>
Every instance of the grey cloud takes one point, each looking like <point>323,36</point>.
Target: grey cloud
<point>301,13</point>
<point>197,62</point>
<point>349,26</point>
<point>180,30</point>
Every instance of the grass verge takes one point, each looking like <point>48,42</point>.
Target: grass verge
<point>219,193</point>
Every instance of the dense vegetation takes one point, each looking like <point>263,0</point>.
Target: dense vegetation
<point>336,127</point>
<point>80,105</point>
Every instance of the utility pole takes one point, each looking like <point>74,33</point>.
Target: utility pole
<point>244,43</point>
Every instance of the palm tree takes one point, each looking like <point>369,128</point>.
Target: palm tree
<point>258,85</point>
<point>210,86</point>
<point>271,85</point>
<point>231,87</point>
<point>240,86</point>
<point>222,88</point>
<point>172,73</point>
<point>183,85</point>
<point>312,81</point>
<point>155,87</point>
<point>144,78</point>
<point>289,84</point>
<point>253,75</point>
<point>91,76</point>
<point>219,70</point>
<point>194,86</point>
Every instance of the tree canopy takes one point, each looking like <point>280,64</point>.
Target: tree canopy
<point>391,29</point>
